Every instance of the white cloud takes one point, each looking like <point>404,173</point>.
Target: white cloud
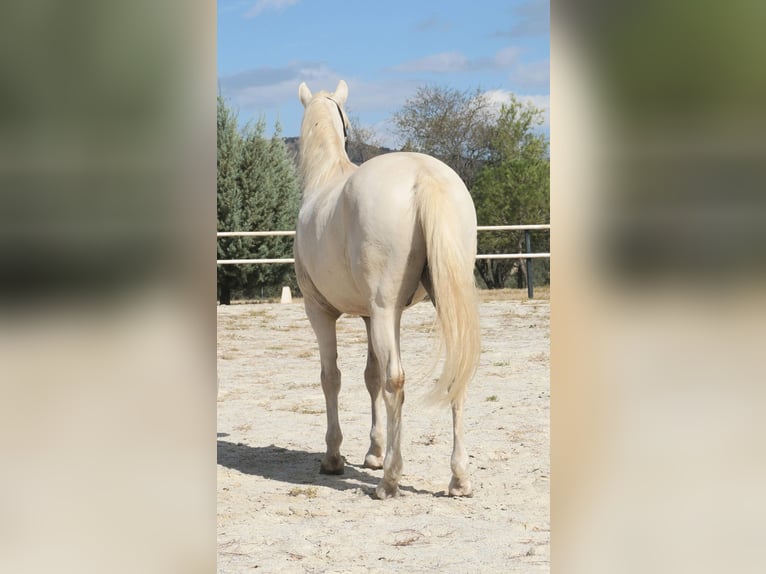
<point>263,5</point>
<point>498,97</point>
<point>540,101</point>
<point>530,18</point>
<point>523,75</point>
<point>443,62</point>
<point>267,87</point>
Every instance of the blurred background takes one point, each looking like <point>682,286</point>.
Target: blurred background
<point>107,266</point>
<point>657,286</point>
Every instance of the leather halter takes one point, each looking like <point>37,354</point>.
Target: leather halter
<point>343,122</point>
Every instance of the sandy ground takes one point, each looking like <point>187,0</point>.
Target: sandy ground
<point>276,513</point>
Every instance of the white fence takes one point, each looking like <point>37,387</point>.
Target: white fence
<point>525,228</point>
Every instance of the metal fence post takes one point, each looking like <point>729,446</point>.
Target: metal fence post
<point>530,281</point>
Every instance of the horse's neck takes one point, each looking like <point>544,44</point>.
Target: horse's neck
<point>323,162</point>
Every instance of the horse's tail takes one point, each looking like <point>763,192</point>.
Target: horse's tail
<point>449,280</point>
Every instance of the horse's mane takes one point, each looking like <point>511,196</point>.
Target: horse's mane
<point>322,153</point>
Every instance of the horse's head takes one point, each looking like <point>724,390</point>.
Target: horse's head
<point>331,102</point>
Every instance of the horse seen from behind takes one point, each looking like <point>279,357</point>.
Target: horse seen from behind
<point>371,240</point>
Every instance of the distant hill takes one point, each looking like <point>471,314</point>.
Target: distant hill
<point>357,153</point>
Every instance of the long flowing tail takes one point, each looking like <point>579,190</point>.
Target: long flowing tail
<point>451,251</point>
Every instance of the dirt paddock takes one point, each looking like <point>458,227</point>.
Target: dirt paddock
<point>276,513</point>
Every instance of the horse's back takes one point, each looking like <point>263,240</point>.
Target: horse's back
<point>402,170</point>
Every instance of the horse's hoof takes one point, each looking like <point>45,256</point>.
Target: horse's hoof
<point>386,490</point>
<point>372,461</point>
<point>458,487</point>
<point>336,465</point>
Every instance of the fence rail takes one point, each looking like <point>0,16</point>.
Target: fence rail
<point>528,255</point>
<point>253,233</point>
<point>291,260</point>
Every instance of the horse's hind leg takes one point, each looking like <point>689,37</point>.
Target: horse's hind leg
<point>374,456</point>
<point>460,485</point>
<point>384,333</point>
<point>323,324</point>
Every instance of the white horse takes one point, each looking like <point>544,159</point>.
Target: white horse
<point>370,241</point>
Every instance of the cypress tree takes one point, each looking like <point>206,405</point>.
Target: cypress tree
<point>228,199</point>
<point>254,183</point>
<point>285,202</point>
<point>258,190</point>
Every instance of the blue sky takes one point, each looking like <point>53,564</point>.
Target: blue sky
<point>384,50</point>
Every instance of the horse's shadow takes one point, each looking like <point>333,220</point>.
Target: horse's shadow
<point>298,467</point>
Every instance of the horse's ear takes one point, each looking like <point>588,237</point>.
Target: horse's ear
<point>304,94</point>
<point>341,92</point>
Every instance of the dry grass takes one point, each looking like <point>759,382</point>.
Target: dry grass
<point>407,537</point>
<point>542,293</point>
<point>428,439</point>
<point>242,326</point>
<point>308,492</point>
<point>304,409</point>
<point>287,328</point>
<point>256,314</point>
